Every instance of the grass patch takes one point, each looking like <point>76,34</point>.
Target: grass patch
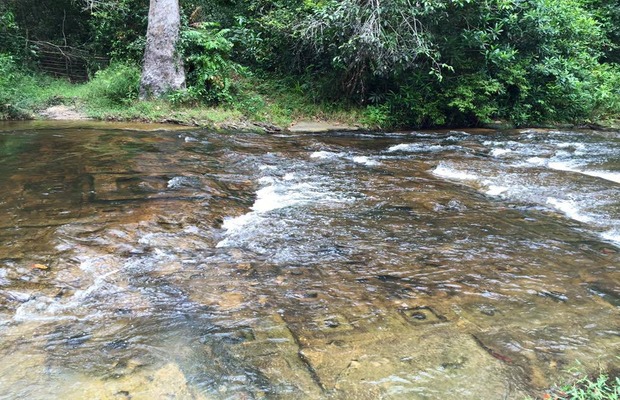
<point>161,111</point>
<point>23,92</point>
<point>257,99</point>
<point>601,387</point>
<point>112,95</point>
<point>284,100</point>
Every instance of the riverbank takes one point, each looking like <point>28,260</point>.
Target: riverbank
<point>272,120</point>
<point>70,114</point>
<point>223,119</point>
<point>213,118</point>
<point>260,104</point>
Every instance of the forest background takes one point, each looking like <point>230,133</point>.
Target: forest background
<point>384,64</point>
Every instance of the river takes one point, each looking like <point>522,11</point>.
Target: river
<point>149,263</point>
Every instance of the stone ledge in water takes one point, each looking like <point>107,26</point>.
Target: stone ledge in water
<point>320,127</point>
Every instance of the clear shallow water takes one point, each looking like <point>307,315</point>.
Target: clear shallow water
<point>197,265</point>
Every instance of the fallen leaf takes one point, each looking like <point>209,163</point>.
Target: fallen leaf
<point>39,266</point>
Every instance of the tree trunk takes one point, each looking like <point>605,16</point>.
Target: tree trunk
<point>163,66</point>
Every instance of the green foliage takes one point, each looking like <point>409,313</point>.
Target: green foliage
<point>565,45</point>
<point>265,36</point>
<point>377,117</point>
<point>424,63</point>
<point>118,30</point>
<point>527,62</point>
<point>608,13</point>
<point>605,80</point>
<point>282,99</point>
<point>599,388</point>
<point>454,62</point>
<point>62,22</point>
<point>8,90</point>
<point>22,91</point>
<point>118,84</point>
<point>9,32</point>
<point>210,71</point>
<point>367,39</point>
<point>252,105</point>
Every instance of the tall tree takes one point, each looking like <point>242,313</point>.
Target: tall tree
<point>163,66</point>
<point>163,69</point>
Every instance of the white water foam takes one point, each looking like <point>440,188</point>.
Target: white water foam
<point>365,160</point>
<point>180,181</point>
<point>612,235</point>
<point>569,208</point>
<point>499,152</point>
<point>419,148</point>
<point>607,175</point>
<point>325,155</point>
<point>578,148</point>
<point>328,155</point>
<point>495,190</point>
<point>574,167</point>
<point>445,171</point>
<point>524,180</point>
<point>3,277</point>
<point>501,148</point>
<point>293,190</point>
<point>40,309</point>
<point>537,161</point>
<point>277,196</point>
<point>563,166</point>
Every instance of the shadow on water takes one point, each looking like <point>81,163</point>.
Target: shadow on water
<point>190,264</point>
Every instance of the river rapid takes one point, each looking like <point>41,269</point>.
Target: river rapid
<point>149,264</point>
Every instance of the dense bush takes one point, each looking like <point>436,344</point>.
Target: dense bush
<point>117,84</point>
<point>16,89</point>
<point>23,91</point>
<point>7,86</point>
<point>527,62</point>
<point>422,63</point>
<point>9,32</point>
<point>118,30</point>
<point>210,70</point>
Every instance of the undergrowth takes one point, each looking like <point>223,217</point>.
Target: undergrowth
<point>23,93</point>
<point>601,387</point>
<point>112,94</point>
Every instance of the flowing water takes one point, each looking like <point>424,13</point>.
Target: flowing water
<point>193,265</point>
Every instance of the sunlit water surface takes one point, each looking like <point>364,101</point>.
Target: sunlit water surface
<point>194,265</point>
